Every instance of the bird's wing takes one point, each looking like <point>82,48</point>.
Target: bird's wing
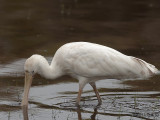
<point>93,60</point>
<point>103,65</point>
<point>97,61</point>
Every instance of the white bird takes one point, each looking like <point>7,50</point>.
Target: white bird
<point>87,62</point>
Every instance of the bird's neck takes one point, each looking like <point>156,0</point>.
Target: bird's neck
<point>49,71</point>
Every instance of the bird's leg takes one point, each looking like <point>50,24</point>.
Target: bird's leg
<point>96,92</point>
<point>82,82</point>
<point>79,94</point>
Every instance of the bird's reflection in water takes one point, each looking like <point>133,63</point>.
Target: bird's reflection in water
<point>25,112</point>
<point>78,110</point>
<point>93,116</point>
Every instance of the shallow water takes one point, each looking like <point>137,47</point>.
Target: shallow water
<point>41,27</point>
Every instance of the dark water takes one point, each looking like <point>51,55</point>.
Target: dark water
<point>37,26</point>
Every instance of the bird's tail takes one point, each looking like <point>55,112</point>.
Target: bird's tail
<point>153,69</point>
<point>150,68</point>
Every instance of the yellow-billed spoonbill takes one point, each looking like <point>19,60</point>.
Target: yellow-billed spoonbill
<point>87,62</point>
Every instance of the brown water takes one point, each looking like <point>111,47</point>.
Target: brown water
<point>37,26</point>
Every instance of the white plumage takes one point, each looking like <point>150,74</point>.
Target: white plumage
<point>87,62</point>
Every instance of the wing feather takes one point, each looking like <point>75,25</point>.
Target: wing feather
<point>93,60</point>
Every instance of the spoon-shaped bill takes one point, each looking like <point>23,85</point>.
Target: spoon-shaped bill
<point>27,85</point>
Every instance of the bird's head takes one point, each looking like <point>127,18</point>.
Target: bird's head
<point>31,68</point>
<point>31,64</point>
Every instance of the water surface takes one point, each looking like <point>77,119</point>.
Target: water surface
<point>41,27</point>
